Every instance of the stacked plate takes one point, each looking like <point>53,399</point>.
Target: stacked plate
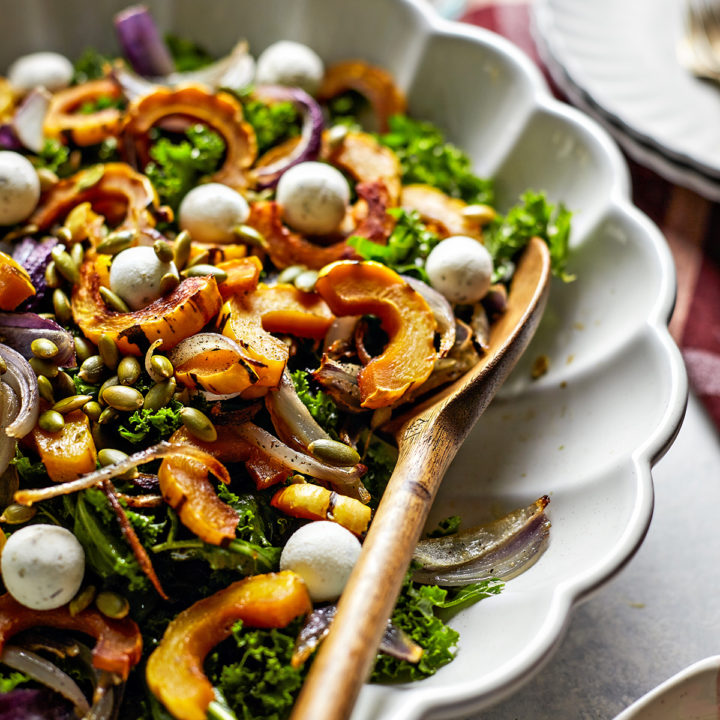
<point>617,61</point>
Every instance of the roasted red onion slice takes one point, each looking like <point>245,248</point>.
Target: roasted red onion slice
<point>21,378</point>
<point>8,138</point>
<point>310,139</point>
<point>29,119</point>
<point>141,42</point>
<point>18,330</point>
<point>345,480</point>
<point>442,310</point>
<point>501,549</point>
<point>34,256</point>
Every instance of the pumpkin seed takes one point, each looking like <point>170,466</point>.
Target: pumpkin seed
<point>68,404</point>
<point>108,351</point>
<point>63,385</point>
<point>169,282</point>
<point>83,349</point>
<point>128,370</point>
<point>15,514</point>
<point>112,605</point>
<point>47,178</point>
<point>64,264</point>
<point>160,394</point>
<point>51,421</point>
<point>43,348</point>
<point>290,273</point>
<point>181,249</point>
<point>334,452</point>
<point>92,176</point>
<point>52,277</point>
<point>62,307</point>
<point>163,250</point>
<point>122,397</point>
<point>77,252</point>
<point>336,135</point>
<point>250,236</point>
<point>111,456</point>
<point>92,370</point>
<point>43,367</point>
<point>100,437</point>
<point>45,389</point>
<point>198,424</point>
<point>116,242</point>
<point>162,366</point>
<point>107,416</point>
<point>479,213</point>
<point>201,258</point>
<point>92,409</point>
<point>113,301</point>
<point>82,600</point>
<point>306,280</point>
<point>64,235</point>
<point>200,270</point>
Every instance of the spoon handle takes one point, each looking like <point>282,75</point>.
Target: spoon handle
<point>345,657</point>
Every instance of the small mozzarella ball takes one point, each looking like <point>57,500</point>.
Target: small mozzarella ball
<point>292,64</point>
<point>211,212</point>
<point>135,276</point>
<point>323,554</point>
<point>460,268</point>
<point>19,188</point>
<point>51,70</point>
<point>42,566</point>
<point>313,197</point>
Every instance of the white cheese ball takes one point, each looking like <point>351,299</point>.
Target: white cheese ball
<point>313,197</point>
<point>292,64</point>
<point>135,276</point>
<point>49,69</point>
<point>19,188</point>
<point>460,268</point>
<point>211,212</point>
<point>42,566</point>
<point>323,554</point>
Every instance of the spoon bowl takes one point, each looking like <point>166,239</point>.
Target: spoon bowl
<point>428,435</point>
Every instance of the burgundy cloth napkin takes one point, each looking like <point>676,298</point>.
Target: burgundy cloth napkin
<point>690,223</point>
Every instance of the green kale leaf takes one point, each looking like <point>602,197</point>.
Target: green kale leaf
<point>380,458</point>
<point>425,157</point>
<point>321,406</point>
<point>273,123</point>
<point>90,66</point>
<point>177,167</point>
<point>447,526</point>
<point>32,473</point>
<point>102,102</point>
<point>10,681</point>
<point>532,216</point>
<point>187,54</point>
<point>55,156</point>
<point>407,247</point>
<point>150,426</point>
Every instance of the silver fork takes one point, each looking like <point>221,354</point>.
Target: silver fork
<point>699,47</point>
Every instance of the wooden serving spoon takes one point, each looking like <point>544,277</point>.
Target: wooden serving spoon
<point>428,438</point>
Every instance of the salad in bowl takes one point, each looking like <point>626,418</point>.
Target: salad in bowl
<point>221,279</point>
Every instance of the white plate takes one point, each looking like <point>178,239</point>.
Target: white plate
<point>622,55</point>
<point>692,694</point>
<point>587,432</point>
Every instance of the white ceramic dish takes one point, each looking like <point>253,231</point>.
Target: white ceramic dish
<point>621,56</point>
<point>587,432</point>
<point>692,694</point>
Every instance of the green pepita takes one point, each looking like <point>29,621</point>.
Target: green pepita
<point>201,270</point>
<point>101,438</point>
<point>163,250</point>
<point>306,280</point>
<point>122,397</point>
<point>128,370</point>
<point>169,282</point>
<point>107,417</point>
<point>92,370</point>
<point>64,264</point>
<point>63,385</point>
<point>83,349</point>
<point>181,249</point>
<point>162,366</point>
<point>43,367</point>
<point>68,404</point>
<point>51,421</point>
<point>199,259</point>
<point>64,235</point>
<point>111,456</point>
<point>479,213</point>
<point>334,452</point>
<point>336,135</point>
<point>251,236</point>
<point>112,605</point>
<point>290,273</point>
<point>116,242</point>
<point>108,351</point>
<point>92,176</point>
<point>77,252</point>
<point>198,424</point>
<point>92,409</point>
<point>15,514</point>
<point>62,307</point>
<point>113,301</point>
<point>52,277</point>
<point>82,600</point>
<point>159,395</point>
<point>48,179</point>
<point>45,389</point>
<point>43,348</point>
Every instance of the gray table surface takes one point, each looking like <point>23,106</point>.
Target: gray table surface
<point>661,612</point>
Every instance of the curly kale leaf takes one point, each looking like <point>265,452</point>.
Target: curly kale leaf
<point>380,458</point>
<point>186,54</point>
<point>273,123</point>
<point>150,426</point>
<point>321,406</point>
<point>177,167</point>
<point>55,156</point>
<point>31,472</point>
<point>90,65</point>
<point>425,157</point>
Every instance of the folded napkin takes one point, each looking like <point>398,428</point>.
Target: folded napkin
<point>690,223</point>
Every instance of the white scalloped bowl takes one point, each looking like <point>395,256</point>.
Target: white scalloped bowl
<point>587,432</point>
